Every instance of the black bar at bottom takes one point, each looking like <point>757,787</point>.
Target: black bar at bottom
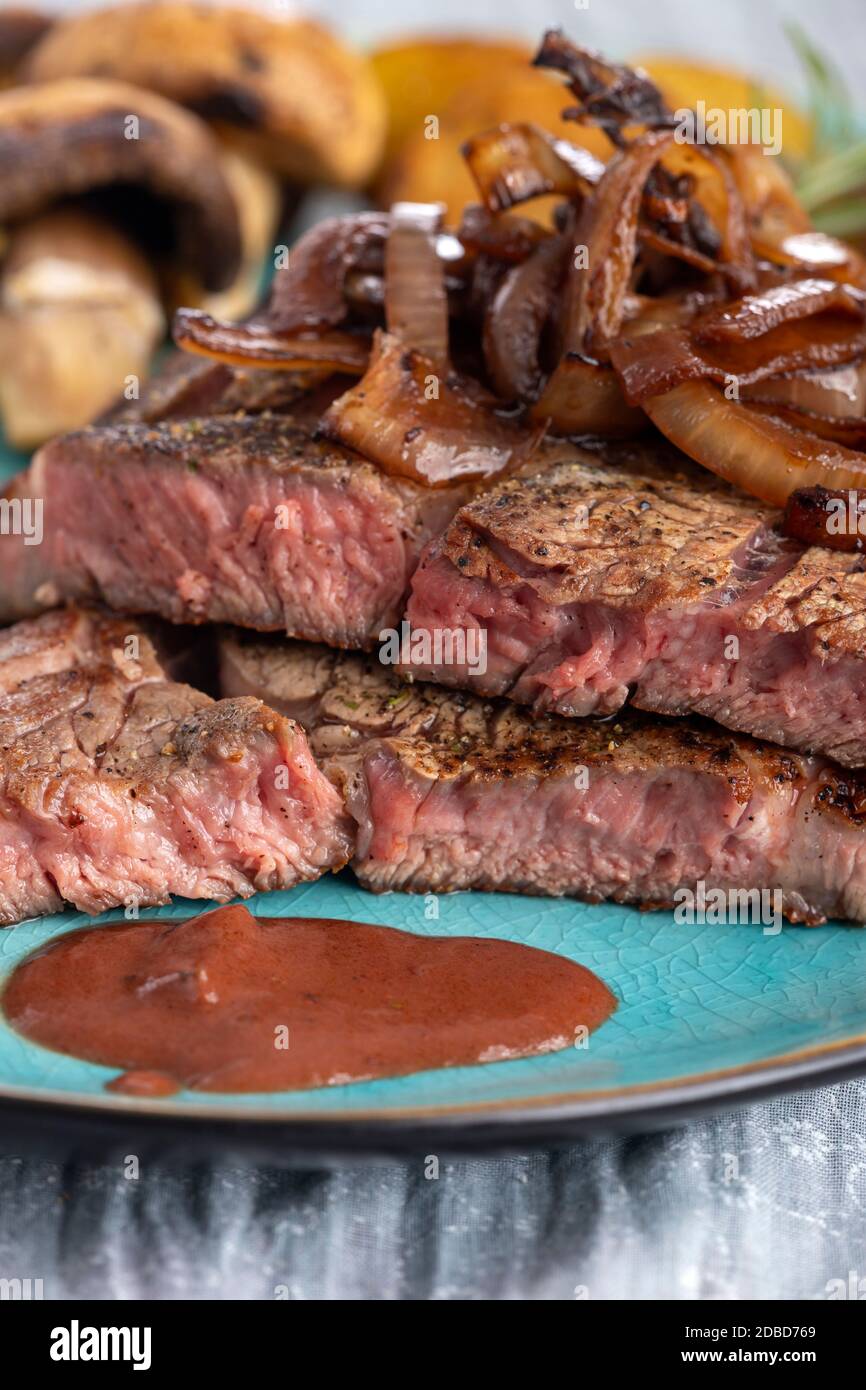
<point>228,1337</point>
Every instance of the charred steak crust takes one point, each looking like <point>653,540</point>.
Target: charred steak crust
<point>454,734</point>
<point>193,387</point>
<point>598,585</point>
<point>451,791</point>
<point>235,518</point>
<point>649,539</point>
<point>120,786</point>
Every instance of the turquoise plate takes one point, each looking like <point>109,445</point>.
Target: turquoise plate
<point>707,1015</point>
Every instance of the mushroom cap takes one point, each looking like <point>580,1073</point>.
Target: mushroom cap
<point>20,29</point>
<point>63,139</point>
<point>294,96</point>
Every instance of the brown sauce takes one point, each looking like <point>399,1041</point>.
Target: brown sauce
<point>231,1002</point>
<point>143,1083</point>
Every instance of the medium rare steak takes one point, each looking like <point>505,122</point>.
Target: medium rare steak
<point>121,787</point>
<point>242,519</point>
<point>453,792</point>
<point>596,585</point>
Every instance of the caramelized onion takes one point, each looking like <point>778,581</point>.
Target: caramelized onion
<point>757,314</point>
<point>821,516</point>
<point>656,240</point>
<point>761,454</point>
<point>610,95</point>
<point>816,253</point>
<point>515,319</point>
<point>850,432</point>
<point>784,329</point>
<point>364,291</point>
<point>646,314</point>
<point>737,260</point>
<point>780,228</point>
<point>765,306</point>
<point>829,403</point>
<point>257,345</point>
<point>673,222</point>
<point>416,425</point>
<point>416,306</point>
<point>705,226</point>
<point>684,226</point>
<point>607,234</point>
<point>504,238</point>
<point>518,161</point>
<point>515,163</point>
<point>768,193</point>
<point>585,397</point>
<point>650,364</point>
<point>308,300</point>
<point>838,392</point>
<point>308,292</point>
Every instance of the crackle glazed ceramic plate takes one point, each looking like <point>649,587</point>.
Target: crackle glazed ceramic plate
<point>707,1016</point>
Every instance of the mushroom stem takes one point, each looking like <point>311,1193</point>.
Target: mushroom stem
<point>79,319</point>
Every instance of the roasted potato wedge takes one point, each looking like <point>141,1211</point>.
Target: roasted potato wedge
<point>683,84</point>
<point>467,87</point>
<point>422,77</point>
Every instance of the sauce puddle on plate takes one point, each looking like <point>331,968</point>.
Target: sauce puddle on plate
<point>231,1002</point>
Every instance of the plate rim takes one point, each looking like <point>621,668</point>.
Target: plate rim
<point>468,1126</point>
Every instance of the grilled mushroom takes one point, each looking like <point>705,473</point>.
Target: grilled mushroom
<point>284,89</point>
<point>20,29</point>
<point>80,317</point>
<point>69,138</point>
<point>260,203</point>
<point>93,174</point>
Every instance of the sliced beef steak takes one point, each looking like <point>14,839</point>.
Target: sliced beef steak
<point>119,786</point>
<point>189,387</point>
<point>233,519</point>
<point>453,792</point>
<point>594,585</point>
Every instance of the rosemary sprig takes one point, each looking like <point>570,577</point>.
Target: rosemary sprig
<point>833,116</point>
<point>831,185</point>
<point>836,176</point>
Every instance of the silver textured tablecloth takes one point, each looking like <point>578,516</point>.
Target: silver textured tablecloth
<point>767,1203</point>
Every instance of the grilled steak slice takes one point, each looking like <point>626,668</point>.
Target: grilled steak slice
<point>595,585</point>
<point>121,787</point>
<point>233,519</point>
<point>453,792</point>
<point>188,387</point>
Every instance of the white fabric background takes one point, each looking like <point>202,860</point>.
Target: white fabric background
<point>633,1218</point>
<point>746,32</point>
